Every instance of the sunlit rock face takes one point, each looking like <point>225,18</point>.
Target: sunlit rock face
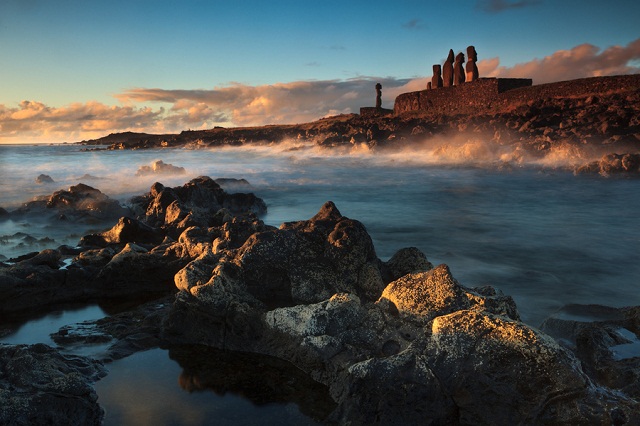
<point>421,348</point>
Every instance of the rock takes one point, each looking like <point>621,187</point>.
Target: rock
<point>80,203</point>
<point>127,230</point>
<point>424,296</point>
<point>428,350</point>
<point>38,385</point>
<point>405,261</point>
<point>42,178</point>
<point>605,340</point>
<point>159,167</point>
<point>194,204</point>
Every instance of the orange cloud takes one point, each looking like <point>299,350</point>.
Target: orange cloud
<point>239,104</point>
<point>585,60</point>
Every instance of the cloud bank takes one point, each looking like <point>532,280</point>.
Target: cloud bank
<point>585,60</point>
<point>155,110</point>
<point>496,6</point>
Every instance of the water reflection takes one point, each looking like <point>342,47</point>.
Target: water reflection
<point>213,387</point>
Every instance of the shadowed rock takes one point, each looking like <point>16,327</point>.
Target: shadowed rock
<point>38,385</point>
<point>428,350</point>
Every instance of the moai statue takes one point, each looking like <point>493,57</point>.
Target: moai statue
<point>378,95</point>
<point>472,68</point>
<point>447,70</point>
<point>436,80</point>
<point>458,71</point>
<point>428,85</point>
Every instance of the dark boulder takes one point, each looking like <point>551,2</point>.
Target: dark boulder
<point>39,385</point>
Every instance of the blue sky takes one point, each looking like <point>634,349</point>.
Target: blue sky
<point>179,64</point>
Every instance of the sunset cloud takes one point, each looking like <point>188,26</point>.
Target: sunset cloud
<point>585,60</point>
<point>156,110</point>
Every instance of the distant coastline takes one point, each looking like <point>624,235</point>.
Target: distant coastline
<point>597,111</point>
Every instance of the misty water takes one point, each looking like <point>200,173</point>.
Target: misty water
<point>534,231</point>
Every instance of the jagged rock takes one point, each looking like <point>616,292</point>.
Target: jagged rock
<point>80,203</point>
<point>127,230</point>
<point>428,350</point>
<point>605,340</point>
<point>44,179</point>
<point>159,167</point>
<point>194,204</point>
<point>38,385</point>
<point>424,296</point>
<point>405,261</point>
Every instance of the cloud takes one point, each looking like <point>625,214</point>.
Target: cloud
<point>497,6</point>
<point>585,60</point>
<point>156,110</point>
<point>414,24</point>
<point>294,102</point>
<point>171,111</point>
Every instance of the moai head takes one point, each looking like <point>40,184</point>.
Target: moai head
<point>472,55</point>
<point>460,58</point>
<point>437,70</point>
<point>378,87</point>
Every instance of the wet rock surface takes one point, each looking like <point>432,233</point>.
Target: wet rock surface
<point>39,385</point>
<point>137,255</point>
<point>395,342</point>
<point>422,348</point>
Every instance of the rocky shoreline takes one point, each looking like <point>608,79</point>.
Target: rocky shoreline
<point>594,120</point>
<point>395,342</point>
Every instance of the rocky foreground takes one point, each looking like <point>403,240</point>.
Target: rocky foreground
<point>593,121</point>
<point>373,342</point>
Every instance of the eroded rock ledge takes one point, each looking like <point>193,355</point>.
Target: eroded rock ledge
<point>400,342</point>
<point>396,342</point>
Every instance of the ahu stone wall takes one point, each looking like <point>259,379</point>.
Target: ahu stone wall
<point>462,99</point>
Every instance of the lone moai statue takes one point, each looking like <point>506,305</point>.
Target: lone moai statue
<point>378,95</point>
<point>447,70</point>
<point>458,70</point>
<point>472,68</point>
<point>436,80</point>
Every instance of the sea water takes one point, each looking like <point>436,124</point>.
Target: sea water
<point>535,231</point>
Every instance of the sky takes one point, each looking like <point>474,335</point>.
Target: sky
<point>77,69</point>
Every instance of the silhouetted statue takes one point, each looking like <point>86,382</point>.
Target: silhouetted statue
<point>378,95</point>
<point>458,70</point>
<point>436,80</point>
<point>472,68</point>
<point>447,70</point>
<point>428,85</point>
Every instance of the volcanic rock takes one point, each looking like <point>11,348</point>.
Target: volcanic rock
<point>422,349</point>
<point>38,385</point>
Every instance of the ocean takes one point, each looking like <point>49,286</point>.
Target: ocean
<point>535,231</point>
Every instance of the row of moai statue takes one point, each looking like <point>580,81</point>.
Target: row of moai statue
<point>453,73</point>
